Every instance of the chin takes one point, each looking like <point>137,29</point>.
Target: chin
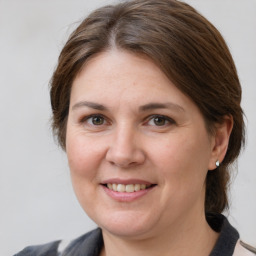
<point>126,231</point>
<point>126,224</point>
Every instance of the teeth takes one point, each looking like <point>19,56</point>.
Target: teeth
<point>114,186</point>
<point>142,186</point>
<point>129,188</point>
<point>126,188</point>
<point>137,187</point>
<point>120,188</point>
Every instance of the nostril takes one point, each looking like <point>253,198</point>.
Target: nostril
<point>124,151</point>
<point>122,160</point>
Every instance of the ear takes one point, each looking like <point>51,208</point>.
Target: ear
<point>220,141</point>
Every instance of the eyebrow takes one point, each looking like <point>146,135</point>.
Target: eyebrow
<point>89,104</point>
<point>168,105</point>
<point>146,107</point>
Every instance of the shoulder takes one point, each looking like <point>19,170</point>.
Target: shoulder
<point>228,242</point>
<point>90,243</point>
<point>40,250</point>
<point>243,249</point>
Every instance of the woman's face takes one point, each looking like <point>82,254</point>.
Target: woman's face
<point>130,129</point>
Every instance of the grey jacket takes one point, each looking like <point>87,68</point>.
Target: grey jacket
<point>91,243</point>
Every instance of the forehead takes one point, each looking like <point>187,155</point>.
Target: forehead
<point>119,64</point>
<point>121,73</point>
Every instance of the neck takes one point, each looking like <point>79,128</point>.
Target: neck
<point>185,238</point>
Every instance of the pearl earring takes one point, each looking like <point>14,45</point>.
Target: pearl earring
<point>217,163</point>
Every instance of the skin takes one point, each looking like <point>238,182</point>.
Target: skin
<point>131,138</point>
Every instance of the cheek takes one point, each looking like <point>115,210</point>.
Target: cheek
<point>83,154</point>
<point>183,169</point>
<point>83,161</point>
<point>183,160</point>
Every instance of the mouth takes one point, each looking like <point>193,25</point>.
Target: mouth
<point>128,188</point>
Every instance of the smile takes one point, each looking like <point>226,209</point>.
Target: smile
<point>129,188</point>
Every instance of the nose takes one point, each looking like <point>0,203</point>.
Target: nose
<point>125,150</point>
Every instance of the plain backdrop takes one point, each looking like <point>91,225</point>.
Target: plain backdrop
<point>37,203</point>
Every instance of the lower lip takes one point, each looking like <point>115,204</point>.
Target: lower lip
<point>126,196</point>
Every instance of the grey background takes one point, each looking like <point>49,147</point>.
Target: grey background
<point>37,203</point>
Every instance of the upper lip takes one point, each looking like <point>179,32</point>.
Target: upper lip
<point>126,181</point>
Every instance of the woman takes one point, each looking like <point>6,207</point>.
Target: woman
<point>146,103</point>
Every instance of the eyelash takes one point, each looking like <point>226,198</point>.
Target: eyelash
<point>85,119</point>
<point>167,120</point>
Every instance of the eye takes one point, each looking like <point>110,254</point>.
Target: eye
<point>95,120</point>
<point>159,120</point>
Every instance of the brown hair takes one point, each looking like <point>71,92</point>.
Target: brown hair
<point>188,49</point>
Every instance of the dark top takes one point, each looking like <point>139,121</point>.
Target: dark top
<point>91,243</point>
